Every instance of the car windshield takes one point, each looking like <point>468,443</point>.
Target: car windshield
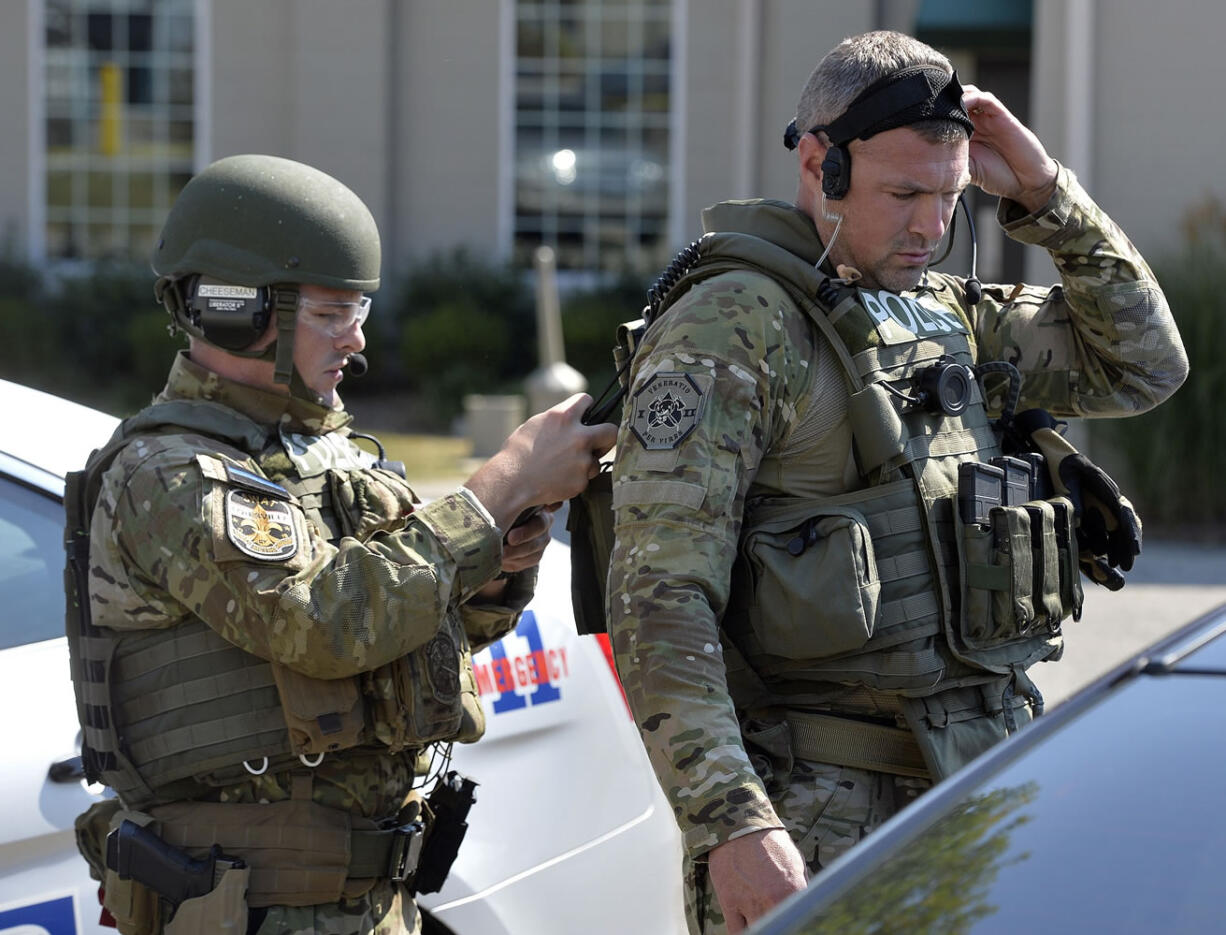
<point>31,566</point>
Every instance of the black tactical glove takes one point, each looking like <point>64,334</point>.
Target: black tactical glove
<point>1108,528</point>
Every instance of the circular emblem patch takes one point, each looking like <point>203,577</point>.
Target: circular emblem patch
<point>666,410</point>
<point>443,667</point>
<point>261,527</point>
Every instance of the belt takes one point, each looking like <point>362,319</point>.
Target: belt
<point>300,853</point>
<point>825,738</point>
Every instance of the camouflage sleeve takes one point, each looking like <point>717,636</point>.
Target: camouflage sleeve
<point>1103,342</point>
<point>708,396</point>
<point>486,621</point>
<point>327,610</point>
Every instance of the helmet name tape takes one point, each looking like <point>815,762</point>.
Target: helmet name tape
<point>219,291</point>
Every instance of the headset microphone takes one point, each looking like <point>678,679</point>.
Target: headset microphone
<point>972,285</point>
<point>974,288</point>
<point>357,365</point>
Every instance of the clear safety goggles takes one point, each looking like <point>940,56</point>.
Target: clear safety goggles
<point>333,318</point>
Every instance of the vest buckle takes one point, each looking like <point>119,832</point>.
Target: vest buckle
<point>405,851</point>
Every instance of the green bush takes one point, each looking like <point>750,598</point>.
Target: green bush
<point>462,325</point>
<point>96,336</point>
<point>1174,454</point>
<point>456,348</point>
<point>115,332</point>
<point>30,350</point>
<point>18,280</point>
<point>589,326</point>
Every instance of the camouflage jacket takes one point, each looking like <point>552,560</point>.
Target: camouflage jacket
<point>337,606</point>
<point>1101,343</point>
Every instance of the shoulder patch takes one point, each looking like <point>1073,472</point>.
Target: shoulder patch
<point>260,526</point>
<point>666,409</point>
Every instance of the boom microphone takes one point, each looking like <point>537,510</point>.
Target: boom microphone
<point>357,365</point>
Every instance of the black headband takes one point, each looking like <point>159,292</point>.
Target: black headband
<point>913,95</point>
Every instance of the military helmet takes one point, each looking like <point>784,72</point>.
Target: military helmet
<point>253,229</point>
<point>257,220</point>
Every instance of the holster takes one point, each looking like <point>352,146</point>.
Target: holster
<point>136,908</point>
<point>590,523</point>
<point>223,910</point>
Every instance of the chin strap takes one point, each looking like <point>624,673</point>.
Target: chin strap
<point>169,297</point>
<point>285,308</point>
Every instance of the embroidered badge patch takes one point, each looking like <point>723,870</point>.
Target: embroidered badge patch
<point>666,410</point>
<point>443,668</point>
<point>259,526</point>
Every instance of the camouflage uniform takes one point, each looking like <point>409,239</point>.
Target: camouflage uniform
<point>347,600</point>
<point>1102,343</point>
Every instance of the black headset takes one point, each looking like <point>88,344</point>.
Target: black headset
<point>235,317</point>
<point>230,316</point>
<point>921,92</point>
<point>836,172</point>
<point>836,165</point>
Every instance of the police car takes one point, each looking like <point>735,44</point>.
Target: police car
<point>569,833</point>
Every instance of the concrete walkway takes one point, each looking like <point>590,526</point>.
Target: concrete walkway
<point>1172,584</point>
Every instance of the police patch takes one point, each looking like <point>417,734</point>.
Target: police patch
<point>666,410</point>
<point>260,526</point>
<point>900,319</point>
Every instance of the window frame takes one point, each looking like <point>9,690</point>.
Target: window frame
<point>40,213</point>
<point>650,230</point>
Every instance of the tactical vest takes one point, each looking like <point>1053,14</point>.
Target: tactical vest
<point>887,587</point>
<point>180,705</point>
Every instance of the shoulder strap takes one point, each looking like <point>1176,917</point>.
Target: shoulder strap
<point>725,252</point>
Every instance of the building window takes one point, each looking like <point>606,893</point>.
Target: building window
<point>120,122</point>
<point>592,101</point>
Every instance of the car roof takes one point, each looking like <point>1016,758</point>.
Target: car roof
<point>50,432</point>
<point>1103,815</point>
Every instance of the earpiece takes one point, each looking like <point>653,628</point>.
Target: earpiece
<point>836,172</point>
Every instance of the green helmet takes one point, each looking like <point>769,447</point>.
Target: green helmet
<point>267,224</point>
<point>260,220</point>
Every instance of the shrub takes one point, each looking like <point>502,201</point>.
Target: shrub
<point>465,326</point>
<point>1174,454</point>
<point>589,326</point>
<point>455,348</point>
<point>115,332</point>
<point>94,334</point>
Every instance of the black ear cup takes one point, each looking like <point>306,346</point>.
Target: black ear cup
<point>232,317</point>
<point>836,172</point>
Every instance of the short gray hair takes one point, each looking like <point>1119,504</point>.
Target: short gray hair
<point>857,62</point>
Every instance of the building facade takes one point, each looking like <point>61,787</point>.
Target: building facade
<point>600,127</point>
